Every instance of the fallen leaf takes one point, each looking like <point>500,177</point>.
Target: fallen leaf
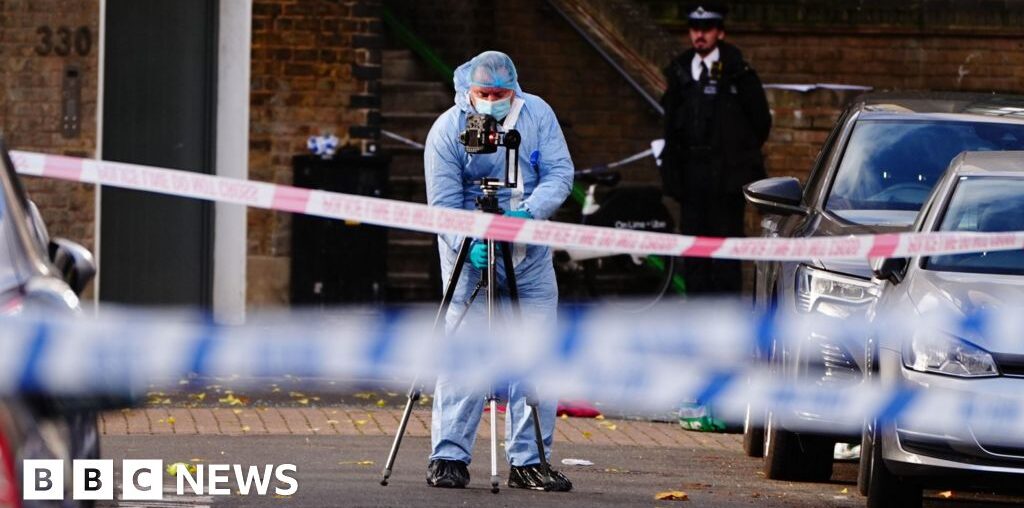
<point>172,469</point>
<point>364,395</point>
<point>195,460</point>
<point>296,395</point>
<point>599,417</point>
<point>565,416</point>
<point>671,495</point>
<point>302,401</point>
<point>275,390</point>
<point>381,403</point>
<point>845,490</point>
<point>946,494</point>
<point>197,396</point>
<point>171,420</point>
<point>392,394</point>
<point>231,400</point>
<point>356,463</point>
<point>360,422</point>
<point>332,422</point>
<point>236,411</point>
<point>587,434</point>
<point>246,428</point>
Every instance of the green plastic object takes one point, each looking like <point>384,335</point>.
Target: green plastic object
<point>699,417</point>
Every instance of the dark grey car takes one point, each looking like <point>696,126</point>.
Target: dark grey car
<point>39,275</point>
<point>877,168</point>
<point>981,192</point>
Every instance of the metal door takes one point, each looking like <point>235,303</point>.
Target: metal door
<point>159,105</point>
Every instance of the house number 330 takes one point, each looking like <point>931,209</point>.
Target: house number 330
<point>63,40</point>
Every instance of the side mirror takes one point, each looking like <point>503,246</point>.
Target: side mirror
<point>890,269</point>
<point>75,263</point>
<point>778,196</point>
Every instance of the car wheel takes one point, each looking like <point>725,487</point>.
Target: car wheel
<point>788,456</point>
<point>753,434</point>
<point>885,489</point>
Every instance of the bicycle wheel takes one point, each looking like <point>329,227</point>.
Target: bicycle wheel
<point>628,282</point>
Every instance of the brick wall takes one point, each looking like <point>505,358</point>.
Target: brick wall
<point>602,117</point>
<point>30,99</point>
<point>301,84</point>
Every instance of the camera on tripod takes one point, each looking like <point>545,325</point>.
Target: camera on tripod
<point>483,135</point>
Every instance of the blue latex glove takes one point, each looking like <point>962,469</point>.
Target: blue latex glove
<point>519,214</point>
<point>478,255</point>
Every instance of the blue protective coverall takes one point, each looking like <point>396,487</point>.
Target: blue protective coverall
<point>450,175</point>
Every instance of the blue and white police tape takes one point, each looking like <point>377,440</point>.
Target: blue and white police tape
<point>679,352</point>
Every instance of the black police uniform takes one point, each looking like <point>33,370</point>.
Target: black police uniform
<point>714,130</point>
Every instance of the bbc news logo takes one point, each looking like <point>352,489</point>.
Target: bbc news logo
<point>142,480</point>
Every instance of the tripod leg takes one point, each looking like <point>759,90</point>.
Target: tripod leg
<point>510,278</point>
<point>494,444</point>
<point>415,391</point>
<point>534,406</point>
<point>513,291</point>
<point>414,396</point>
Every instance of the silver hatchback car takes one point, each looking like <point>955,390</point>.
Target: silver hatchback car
<point>980,192</point>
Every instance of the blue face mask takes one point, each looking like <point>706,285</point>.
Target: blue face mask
<point>498,109</point>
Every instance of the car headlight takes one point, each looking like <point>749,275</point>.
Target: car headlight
<point>944,354</point>
<point>832,293</point>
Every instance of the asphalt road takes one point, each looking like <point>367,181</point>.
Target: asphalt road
<point>334,471</point>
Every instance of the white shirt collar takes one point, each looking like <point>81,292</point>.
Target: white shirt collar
<point>708,60</point>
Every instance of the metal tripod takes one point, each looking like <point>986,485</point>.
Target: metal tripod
<point>487,203</point>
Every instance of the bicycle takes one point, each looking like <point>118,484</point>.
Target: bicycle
<point>631,282</point>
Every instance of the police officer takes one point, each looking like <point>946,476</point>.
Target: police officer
<point>716,119</point>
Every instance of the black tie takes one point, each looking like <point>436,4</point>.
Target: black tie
<point>703,72</point>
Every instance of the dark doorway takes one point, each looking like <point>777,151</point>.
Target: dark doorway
<point>159,103</point>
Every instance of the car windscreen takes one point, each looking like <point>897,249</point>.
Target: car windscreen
<point>8,273</point>
<point>890,166</point>
<point>984,205</point>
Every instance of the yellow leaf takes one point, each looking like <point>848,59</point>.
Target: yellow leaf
<point>599,417</point>
<point>246,428</point>
<point>381,403</point>
<point>611,427</point>
<point>946,494</point>
<point>302,401</point>
<point>195,460</point>
<point>356,463</point>
<point>236,411</point>
<point>360,422</point>
<point>332,422</point>
<point>171,420</point>
<point>671,495</point>
<point>172,469</point>
<point>587,434</point>
<point>231,400</point>
<point>364,395</point>
<point>844,491</point>
<point>296,394</point>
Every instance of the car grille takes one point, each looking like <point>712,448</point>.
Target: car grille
<point>1009,365</point>
<point>940,449</point>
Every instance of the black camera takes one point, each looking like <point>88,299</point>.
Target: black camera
<point>481,134</point>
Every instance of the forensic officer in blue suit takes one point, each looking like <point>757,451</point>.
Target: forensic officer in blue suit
<point>488,84</point>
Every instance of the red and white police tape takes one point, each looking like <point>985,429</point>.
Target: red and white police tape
<point>431,219</point>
